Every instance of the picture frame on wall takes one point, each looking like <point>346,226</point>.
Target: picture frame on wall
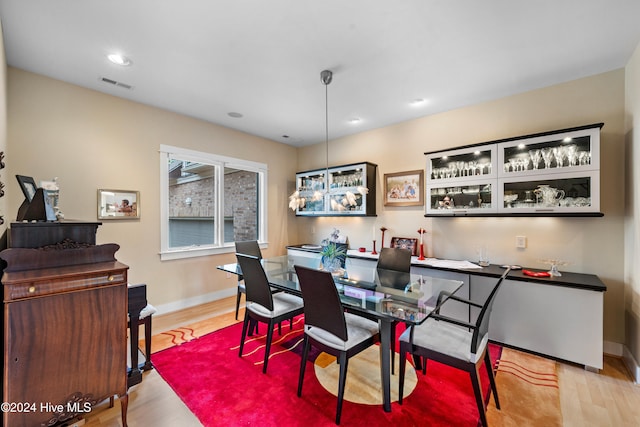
<point>404,188</point>
<point>118,204</point>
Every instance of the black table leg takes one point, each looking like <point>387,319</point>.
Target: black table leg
<point>385,363</point>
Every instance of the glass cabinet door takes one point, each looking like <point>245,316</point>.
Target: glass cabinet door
<point>347,190</point>
<point>465,164</point>
<point>570,192</point>
<point>311,187</point>
<point>461,199</point>
<point>558,153</point>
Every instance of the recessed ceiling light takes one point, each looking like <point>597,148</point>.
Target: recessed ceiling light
<point>355,120</point>
<point>118,59</point>
<point>234,115</point>
<point>418,102</point>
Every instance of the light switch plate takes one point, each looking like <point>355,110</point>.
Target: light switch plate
<point>521,242</point>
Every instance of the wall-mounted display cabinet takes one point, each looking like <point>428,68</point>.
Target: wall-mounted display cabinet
<point>549,174</point>
<point>348,190</point>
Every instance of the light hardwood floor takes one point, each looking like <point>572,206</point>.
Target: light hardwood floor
<point>608,398</point>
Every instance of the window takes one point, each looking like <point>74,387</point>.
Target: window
<point>208,202</point>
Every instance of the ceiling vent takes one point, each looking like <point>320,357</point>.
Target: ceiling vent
<point>115,83</point>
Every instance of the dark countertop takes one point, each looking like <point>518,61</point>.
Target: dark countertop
<point>568,279</point>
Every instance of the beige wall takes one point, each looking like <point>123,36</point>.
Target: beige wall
<point>591,245</point>
<point>632,217</point>
<point>90,140</point>
<point>3,130</point>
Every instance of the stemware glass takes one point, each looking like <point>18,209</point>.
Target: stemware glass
<point>535,158</point>
<point>558,154</point>
<point>547,156</point>
<point>472,166</point>
<point>571,151</point>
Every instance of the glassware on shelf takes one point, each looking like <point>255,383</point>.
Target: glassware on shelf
<point>571,151</point>
<point>559,154</point>
<point>509,199</point>
<point>550,196</point>
<point>547,156</point>
<point>535,158</point>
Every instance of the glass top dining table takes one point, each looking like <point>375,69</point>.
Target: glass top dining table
<point>388,297</point>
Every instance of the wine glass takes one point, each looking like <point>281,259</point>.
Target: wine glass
<point>558,154</point>
<point>535,158</point>
<point>572,154</point>
<point>547,156</point>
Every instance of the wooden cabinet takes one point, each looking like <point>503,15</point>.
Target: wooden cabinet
<point>348,190</point>
<point>65,338</point>
<point>549,174</point>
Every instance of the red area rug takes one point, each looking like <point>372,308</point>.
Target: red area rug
<point>222,389</point>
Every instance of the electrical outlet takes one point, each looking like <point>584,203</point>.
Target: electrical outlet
<point>521,242</point>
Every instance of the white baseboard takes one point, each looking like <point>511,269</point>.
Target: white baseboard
<point>194,301</point>
<point>613,348</point>
<point>632,365</point>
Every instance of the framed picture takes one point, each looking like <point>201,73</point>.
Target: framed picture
<point>405,243</point>
<point>118,204</point>
<point>28,186</point>
<point>404,188</point>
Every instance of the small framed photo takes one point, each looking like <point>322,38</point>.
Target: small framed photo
<point>404,188</point>
<point>118,204</point>
<point>405,243</point>
<point>28,186</point>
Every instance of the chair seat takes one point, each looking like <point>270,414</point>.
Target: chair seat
<point>445,338</point>
<point>282,303</point>
<point>358,330</point>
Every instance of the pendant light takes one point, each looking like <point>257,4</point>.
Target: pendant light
<point>349,199</point>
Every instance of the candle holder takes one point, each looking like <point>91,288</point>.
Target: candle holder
<point>373,252</point>
<point>383,229</point>
<point>421,231</point>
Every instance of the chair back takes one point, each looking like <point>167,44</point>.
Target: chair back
<point>393,279</point>
<point>482,322</point>
<point>397,259</point>
<point>249,247</point>
<point>255,281</point>
<point>322,306</point>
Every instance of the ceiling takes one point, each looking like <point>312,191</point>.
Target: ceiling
<point>262,59</point>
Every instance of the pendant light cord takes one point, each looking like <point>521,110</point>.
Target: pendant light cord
<point>326,123</point>
<point>326,76</point>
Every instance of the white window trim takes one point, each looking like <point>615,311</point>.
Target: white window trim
<point>215,160</point>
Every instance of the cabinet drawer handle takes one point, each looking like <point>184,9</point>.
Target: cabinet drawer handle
<point>32,289</point>
<point>110,278</point>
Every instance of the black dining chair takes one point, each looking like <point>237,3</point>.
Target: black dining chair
<point>248,247</point>
<point>263,305</point>
<point>329,328</point>
<point>394,260</point>
<point>457,343</point>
